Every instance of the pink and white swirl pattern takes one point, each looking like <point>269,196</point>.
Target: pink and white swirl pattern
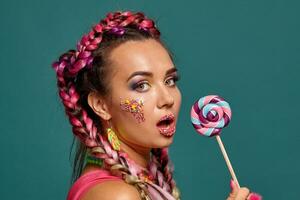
<point>210,114</point>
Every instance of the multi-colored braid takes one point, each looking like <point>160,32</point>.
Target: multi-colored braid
<point>83,126</point>
<point>67,68</point>
<point>162,169</point>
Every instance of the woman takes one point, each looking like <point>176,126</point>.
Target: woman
<point>119,92</point>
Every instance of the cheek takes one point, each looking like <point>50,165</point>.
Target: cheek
<point>179,98</point>
<point>135,107</point>
<point>130,122</point>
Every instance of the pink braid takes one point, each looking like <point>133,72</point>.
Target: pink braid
<point>166,167</point>
<point>83,126</point>
<point>161,161</point>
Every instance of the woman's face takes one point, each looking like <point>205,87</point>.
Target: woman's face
<point>144,99</point>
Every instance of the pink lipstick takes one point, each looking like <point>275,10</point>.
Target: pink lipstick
<point>166,125</point>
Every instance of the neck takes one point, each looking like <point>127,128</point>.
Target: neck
<point>139,155</point>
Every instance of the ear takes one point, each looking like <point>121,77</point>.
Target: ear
<point>99,105</point>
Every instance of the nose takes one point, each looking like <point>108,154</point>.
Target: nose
<point>165,97</point>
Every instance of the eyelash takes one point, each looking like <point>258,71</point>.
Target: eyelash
<point>175,78</point>
<point>135,86</point>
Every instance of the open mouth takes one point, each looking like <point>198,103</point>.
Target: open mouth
<point>166,125</point>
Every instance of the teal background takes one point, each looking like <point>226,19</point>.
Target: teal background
<point>244,51</point>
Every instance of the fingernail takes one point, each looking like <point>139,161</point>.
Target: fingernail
<point>231,184</point>
<point>255,196</point>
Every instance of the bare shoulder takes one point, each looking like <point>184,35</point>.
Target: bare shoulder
<point>112,190</point>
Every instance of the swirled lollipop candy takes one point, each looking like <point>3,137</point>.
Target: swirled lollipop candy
<point>209,115</point>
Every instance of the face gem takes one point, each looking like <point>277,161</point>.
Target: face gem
<point>135,107</point>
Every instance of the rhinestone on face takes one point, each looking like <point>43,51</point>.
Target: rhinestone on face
<point>135,107</point>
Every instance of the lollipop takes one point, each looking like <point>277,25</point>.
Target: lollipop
<point>209,115</point>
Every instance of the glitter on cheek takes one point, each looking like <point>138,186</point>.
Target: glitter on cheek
<point>135,107</point>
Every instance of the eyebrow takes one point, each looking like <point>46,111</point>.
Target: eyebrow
<point>145,73</point>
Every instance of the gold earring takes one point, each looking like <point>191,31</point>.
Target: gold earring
<point>113,139</point>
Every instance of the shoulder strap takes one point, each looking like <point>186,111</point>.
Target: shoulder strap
<point>88,180</point>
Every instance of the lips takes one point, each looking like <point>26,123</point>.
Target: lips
<point>166,125</point>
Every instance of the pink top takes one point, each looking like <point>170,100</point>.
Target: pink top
<point>90,179</point>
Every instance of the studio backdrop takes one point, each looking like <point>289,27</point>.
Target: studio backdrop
<point>245,51</point>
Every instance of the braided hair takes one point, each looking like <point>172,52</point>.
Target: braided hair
<point>85,70</point>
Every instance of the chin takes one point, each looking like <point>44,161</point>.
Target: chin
<point>164,142</point>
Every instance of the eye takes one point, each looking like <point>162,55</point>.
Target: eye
<point>141,87</point>
<point>172,80</point>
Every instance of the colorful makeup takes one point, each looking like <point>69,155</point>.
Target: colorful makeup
<point>135,107</point>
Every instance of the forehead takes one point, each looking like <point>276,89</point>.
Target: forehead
<point>145,55</point>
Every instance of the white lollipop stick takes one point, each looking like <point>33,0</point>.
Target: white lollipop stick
<point>227,160</point>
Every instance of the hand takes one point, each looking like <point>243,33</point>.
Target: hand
<point>241,193</point>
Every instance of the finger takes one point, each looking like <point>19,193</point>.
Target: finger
<point>254,196</point>
<point>234,190</point>
<point>242,194</point>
